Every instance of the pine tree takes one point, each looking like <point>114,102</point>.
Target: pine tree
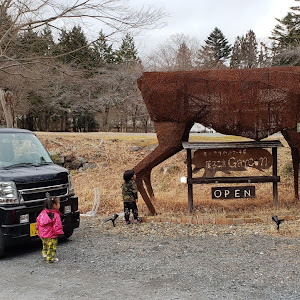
<point>215,52</point>
<point>102,52</point>
<point>28,44</point>
<point>244,52</point>
<point>183,58</point>
<point>287,32</point>
<point>74,49</point>
<point>235,60</point>
<point>249,50</point>
<point>286,36</point>
<point>47,42</point>
<point>217,47</point>
<point>264,59</point>
<point>6,30</point>
<point>127,53</point>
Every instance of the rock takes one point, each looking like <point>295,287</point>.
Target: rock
<point>150,147</point>
<point>170,169</point>
<point>82,160</point>
<point>70,158</point>
<point>85,166</point>
<point>73,165</point>
<point>135,148</point>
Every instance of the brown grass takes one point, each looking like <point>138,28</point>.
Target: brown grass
<point>112,154</point>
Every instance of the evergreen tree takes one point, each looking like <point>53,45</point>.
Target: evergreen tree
<point>287,32</point>
<point>102,52</point>
<point>46,42</point>
<point>217,49</point>
<point>264,59</point>
<point>286,36</point>
<point>6,30</point>
<point>28,44</point>
<point>74,49</point>
<point>127,53</point>
<point>183,58</point>
<point>235,60</point>
<point>244,52</point>
<point>249,50</point>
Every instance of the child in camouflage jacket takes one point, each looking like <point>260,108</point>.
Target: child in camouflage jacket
<point>130,196</point>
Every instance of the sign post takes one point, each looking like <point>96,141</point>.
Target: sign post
<point>232,156</point>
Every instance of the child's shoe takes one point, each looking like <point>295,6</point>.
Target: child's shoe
<point>54,261</point>
<point>138,220</point>
<point>127,222</point>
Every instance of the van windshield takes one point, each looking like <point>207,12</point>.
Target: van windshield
<point>22,149</point>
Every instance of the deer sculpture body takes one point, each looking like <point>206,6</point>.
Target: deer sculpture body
<point>252,103</point>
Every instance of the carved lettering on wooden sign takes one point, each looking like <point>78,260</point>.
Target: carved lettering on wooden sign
<point>231,159</point>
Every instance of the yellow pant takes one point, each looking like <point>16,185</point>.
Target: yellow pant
<point>49,249</point>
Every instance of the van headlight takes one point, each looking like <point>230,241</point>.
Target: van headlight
<point>71,189</point>
<point>8,193</point>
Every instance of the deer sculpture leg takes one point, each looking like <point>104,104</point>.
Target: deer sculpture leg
<point>170,136</point>
<point>147,181</point>
<point>293,139</point>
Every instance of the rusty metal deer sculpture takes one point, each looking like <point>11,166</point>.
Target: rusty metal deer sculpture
<point>252,103</point>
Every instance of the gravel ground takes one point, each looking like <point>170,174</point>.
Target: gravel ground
<point>158,261</point>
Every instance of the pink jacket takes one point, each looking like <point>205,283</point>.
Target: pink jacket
<point>48,228</point>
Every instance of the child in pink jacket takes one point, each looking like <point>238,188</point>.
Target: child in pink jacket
<point>49,227</point>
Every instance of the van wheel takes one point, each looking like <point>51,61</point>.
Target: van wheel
<point>2,244</point>
<point>68,233</point>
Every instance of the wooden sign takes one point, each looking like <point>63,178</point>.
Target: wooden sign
<point>233,192</point>
<point>231,159</point>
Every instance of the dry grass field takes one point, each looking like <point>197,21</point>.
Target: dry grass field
<point>114,152</point>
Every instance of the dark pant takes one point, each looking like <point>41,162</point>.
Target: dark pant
<point>130,206</point>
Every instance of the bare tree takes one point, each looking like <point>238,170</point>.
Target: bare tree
<point>18,16</point>
<point>170,55</point>
<point>6,99</point>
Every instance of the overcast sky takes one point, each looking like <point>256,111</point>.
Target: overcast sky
<point>197,18</point>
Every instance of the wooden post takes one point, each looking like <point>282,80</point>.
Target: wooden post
<point>190,185</point>
<point>245,179</point>
<point>275,184</point>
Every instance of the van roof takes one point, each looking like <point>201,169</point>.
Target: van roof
<point>14,130</point>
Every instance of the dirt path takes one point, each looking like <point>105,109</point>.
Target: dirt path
<point>158,261</point>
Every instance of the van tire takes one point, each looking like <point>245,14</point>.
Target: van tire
<point>68,233</point>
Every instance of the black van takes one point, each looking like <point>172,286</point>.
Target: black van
<point>27,173</point>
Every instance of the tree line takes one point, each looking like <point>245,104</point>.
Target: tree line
<point>182,52</point>
<point>62,81</point>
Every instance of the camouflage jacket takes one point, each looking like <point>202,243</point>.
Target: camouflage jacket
<point>129,191</point>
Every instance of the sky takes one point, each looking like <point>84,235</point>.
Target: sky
<point>198,18</point>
